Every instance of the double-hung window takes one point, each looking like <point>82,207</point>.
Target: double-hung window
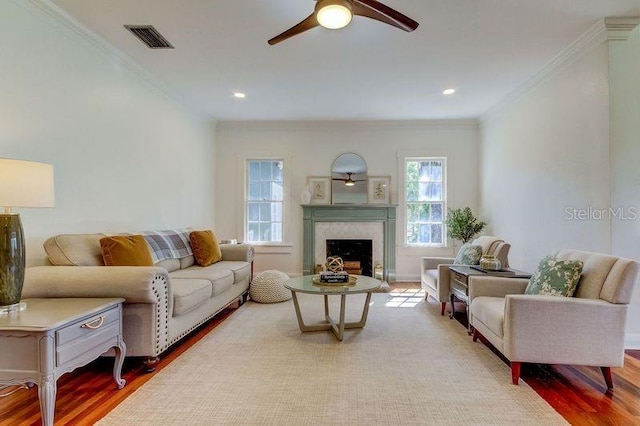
<point>265,196</point>
<point>425,200</point>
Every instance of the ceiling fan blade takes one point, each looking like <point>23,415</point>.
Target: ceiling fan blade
<point>309,23</point>
<point>375,10</point>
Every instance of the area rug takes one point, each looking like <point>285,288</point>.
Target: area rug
<point>408,366</point>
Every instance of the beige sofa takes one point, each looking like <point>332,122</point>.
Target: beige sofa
<point>435,270</point>
<point>586,329</point>
<point>163,303</point>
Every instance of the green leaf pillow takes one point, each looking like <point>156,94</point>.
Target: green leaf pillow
<point>555,277</point>
<point>468,255</point>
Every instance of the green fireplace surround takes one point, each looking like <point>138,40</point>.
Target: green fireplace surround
<point>386,214</point>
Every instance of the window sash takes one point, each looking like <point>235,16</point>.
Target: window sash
<point>264,204</point>
<point>424,201</point>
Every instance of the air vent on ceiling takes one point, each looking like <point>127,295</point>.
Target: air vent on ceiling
<point>149,36</point>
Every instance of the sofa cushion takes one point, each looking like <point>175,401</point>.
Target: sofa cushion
<point>555,277</point>
<point>490,312</point>
<point>221,279</point>
<point>489,244</point>
<point>186,262</point>
<point>468,254</point>
<point>125,250</point>
<point>169,264</point>
<point>241,270</point>
<point>430,277</point>
<point>594,272</point>
<point>205,247</point>
<point>74,250</point>
<point>189,294</point>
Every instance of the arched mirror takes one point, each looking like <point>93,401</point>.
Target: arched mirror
<point>349,180</point>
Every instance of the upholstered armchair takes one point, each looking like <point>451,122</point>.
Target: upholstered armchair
<point>586,329</point>
<point>435,270</point>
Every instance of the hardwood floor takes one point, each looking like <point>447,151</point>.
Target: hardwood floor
<point>89,393</point>
<point>577,393</point>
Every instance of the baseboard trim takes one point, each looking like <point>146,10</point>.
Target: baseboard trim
<point>632,341</point>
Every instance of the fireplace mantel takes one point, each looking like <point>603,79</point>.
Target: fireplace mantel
<point>384,213</point>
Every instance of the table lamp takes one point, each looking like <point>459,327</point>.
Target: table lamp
<point>22,184</point>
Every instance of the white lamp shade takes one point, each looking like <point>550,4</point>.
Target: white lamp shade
<point>26,184</point>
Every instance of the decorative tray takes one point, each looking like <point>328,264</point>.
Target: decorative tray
<point>352,281</point>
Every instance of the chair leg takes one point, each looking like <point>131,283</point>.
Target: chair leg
<point>475,335</point>
<point>426,296</point>
<point>515,371</point>
<point>608,378</point>
<point>443,308</point>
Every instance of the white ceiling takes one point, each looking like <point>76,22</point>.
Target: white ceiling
<point>368,70</point>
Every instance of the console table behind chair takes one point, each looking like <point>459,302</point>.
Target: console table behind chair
<point>435,270</point>
<point>459,282</point>
<point>55,336</point>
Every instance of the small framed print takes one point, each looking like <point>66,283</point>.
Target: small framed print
<point>378,190</point>
<point>320,190</point>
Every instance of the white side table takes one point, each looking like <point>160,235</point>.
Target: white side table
<point>55,336</point>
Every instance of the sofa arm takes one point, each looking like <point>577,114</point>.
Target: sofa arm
<point>444,282</point>
<point>238,252</point>
<point>493,286</point>
<point>575,330</point>
<point>137,284</point>
<point>433,262</point>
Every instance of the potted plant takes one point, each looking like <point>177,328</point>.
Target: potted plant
<point>462,224</point>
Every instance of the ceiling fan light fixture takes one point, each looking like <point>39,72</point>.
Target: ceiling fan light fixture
<point>334,14</point>
<point>349,183</point>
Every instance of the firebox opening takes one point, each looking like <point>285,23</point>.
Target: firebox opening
<point>351,250</point>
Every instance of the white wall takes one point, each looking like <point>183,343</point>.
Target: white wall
<point>544,153</point>
<point>310,148</point>
<point>625,159</point>
<point>570,141</point>
<point>127,156</point>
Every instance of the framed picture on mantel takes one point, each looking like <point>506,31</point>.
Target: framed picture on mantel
<point>320,190</point>
<point>378,190</point>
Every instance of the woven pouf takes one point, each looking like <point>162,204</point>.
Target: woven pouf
<point>268,287</point>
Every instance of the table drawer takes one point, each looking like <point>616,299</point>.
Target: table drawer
<point>93,344</point>
<point>87,326</point>
<point>462,279</point>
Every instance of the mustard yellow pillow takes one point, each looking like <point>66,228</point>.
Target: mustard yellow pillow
<point>205,247</point>
<point>125,250</point>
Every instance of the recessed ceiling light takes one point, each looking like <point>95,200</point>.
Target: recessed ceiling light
<point>448,91</point>
<point>239,95</point>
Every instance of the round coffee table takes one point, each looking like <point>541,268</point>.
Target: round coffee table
<point>308,284</point>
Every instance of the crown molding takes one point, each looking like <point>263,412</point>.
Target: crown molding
<point>619,28</point>
<point>607,29</point>
<point>594,36</point>
<point>140,73</point>
<point>333,124</point>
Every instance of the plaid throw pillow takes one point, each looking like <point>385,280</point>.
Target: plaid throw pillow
<point>168,244</point>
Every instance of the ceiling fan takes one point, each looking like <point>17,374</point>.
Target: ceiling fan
<point>348,181</point>
<point>336,14</point>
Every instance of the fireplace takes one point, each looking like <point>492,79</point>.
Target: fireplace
<point>376,223</point>
<point>360,251</point>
